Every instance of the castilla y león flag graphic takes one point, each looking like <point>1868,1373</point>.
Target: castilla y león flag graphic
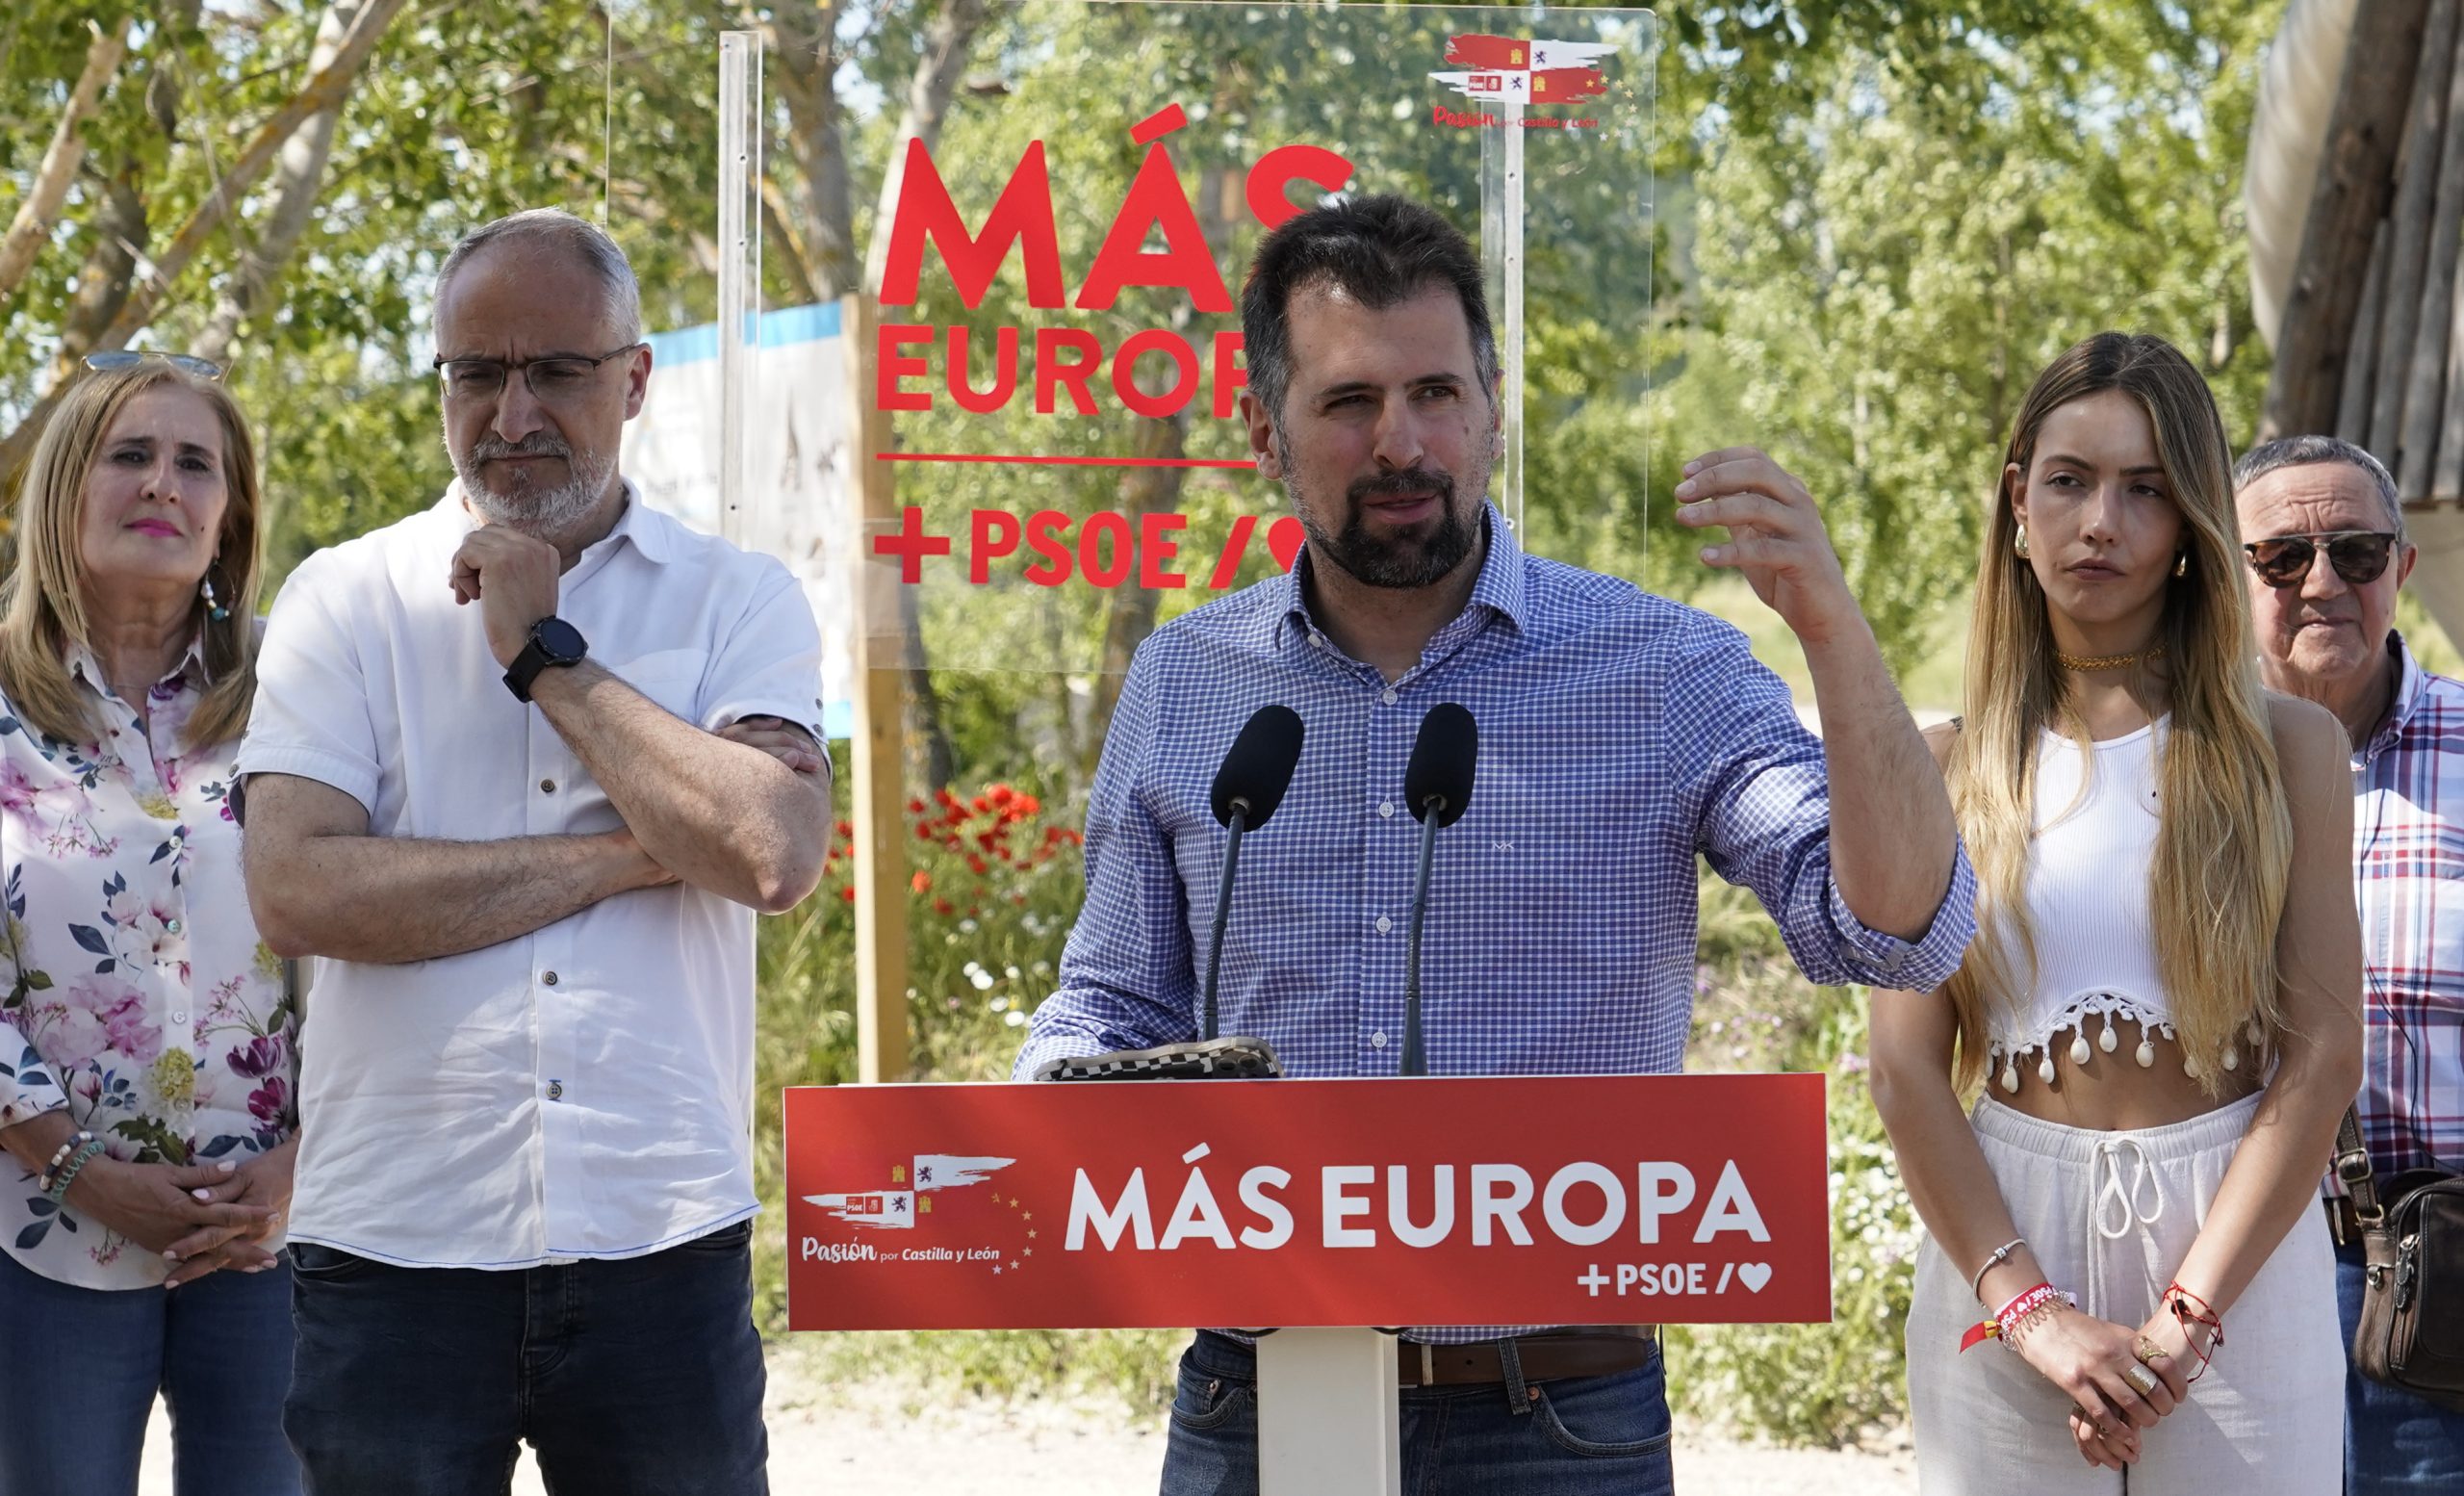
<point>1513,70</point>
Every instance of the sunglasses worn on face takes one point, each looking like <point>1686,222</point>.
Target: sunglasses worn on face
<point>129,358</point>
<point>2358,556</point>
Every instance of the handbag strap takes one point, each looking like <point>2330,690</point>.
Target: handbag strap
<point>2353,1166</point>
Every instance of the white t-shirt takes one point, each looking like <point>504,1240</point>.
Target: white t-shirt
<point>585,1091</point>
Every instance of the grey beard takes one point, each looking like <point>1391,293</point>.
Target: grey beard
<point>542,513</point>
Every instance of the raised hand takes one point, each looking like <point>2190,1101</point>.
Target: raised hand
<point>514,578</point>
<point>1775,538</point>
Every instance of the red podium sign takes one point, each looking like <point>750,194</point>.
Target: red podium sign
<point>1558,1200</point>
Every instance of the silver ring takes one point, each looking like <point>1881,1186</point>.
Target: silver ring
<point>2141,1378</point>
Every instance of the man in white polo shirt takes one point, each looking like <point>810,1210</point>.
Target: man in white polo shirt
<point>522,766</point>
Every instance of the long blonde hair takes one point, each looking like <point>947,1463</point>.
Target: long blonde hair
<point>2223,843</point>
<point>42,601</point>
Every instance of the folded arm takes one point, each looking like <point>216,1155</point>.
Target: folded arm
<point>320,884</point>
<point>723,816</point>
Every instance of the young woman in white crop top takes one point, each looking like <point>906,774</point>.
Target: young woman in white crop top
<point>2162,1007</point>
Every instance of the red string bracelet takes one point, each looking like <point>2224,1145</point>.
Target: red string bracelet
<point>2181,1301</point>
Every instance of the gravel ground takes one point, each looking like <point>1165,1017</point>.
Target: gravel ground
<point>883,1439</point>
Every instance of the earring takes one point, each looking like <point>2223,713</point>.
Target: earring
<point>2019,542</point>
<point>214,610</point>
<point>2182,564</point>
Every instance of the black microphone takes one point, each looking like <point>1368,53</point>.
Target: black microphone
<point>1247,788</point>
<point>1437,785</point>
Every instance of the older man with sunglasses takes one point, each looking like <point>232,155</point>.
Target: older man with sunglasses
<point>2324,534</point>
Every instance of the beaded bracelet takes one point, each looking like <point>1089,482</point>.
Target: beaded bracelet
<point>60,1156</point>
<point>58,1193</point>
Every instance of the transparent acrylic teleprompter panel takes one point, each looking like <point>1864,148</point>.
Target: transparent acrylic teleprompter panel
<point>1098,424</point>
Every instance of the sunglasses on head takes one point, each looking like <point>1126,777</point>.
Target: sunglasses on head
<point>2358,556</point>
<point>129,358</point>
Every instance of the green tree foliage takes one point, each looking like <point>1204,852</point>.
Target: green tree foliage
<point>1872,283</point>
<point>1872,221</point>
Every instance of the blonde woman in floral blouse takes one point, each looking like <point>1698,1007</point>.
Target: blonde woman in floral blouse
<point>146,1044</point>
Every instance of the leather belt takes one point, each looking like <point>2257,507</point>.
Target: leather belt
<point>1598,1352</point>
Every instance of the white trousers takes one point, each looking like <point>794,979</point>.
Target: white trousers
<point>2110,1216</point>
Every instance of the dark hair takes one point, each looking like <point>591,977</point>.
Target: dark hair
<point>2302,451</point>
<point>1381,251</point>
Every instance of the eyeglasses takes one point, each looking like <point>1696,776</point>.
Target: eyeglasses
<point>110,359</point>
<point>559,377</point>
<point>2358,556</point>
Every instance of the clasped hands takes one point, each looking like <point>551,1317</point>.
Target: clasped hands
<point>2120,1381</point>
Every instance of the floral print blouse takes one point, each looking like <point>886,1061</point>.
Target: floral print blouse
<point>132,987</point>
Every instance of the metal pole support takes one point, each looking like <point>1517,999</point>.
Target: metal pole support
<point>1330,1420</point>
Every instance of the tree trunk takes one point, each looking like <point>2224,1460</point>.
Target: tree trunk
<point>103,283</point>
<point>325,90</point>
<point>32,226</point>
<point>299,177</point>
<point>808,62</point>
<point>928,103</point>
<point>2356,178</point>
<point>109,278</point>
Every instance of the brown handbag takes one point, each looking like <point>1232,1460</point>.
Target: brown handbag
<point>2411,1333</point>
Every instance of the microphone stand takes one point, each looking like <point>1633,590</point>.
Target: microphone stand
<point>1415,1061</point>
<point>1237,825</point>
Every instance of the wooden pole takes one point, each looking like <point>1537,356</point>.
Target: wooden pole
<point>2356,178</point>
<point>878,760</point>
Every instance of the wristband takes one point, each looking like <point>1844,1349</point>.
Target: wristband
<point>58,1190</point>
<point>2012,1315</point>
<point>60,1156</point>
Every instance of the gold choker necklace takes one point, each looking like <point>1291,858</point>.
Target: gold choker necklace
<point>2107,661</point>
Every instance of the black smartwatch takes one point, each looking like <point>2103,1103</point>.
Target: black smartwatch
<point>552,643</point>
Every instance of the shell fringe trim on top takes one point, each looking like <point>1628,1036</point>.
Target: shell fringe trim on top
<point>2004,1052</point>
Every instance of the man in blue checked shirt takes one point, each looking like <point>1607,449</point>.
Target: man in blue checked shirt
<point>1621,735</point>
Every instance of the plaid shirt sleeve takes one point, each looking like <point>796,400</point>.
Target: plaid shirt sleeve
<point>1766,824</point>
<point>2409,842</point>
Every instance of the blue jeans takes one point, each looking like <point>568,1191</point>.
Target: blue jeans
<point>1577,1436</point>
<point>86,1363</point>
<point>2395,1443</point>
<point>635,1378</point>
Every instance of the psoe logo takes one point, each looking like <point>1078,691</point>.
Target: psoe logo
<point>1516,70</point>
